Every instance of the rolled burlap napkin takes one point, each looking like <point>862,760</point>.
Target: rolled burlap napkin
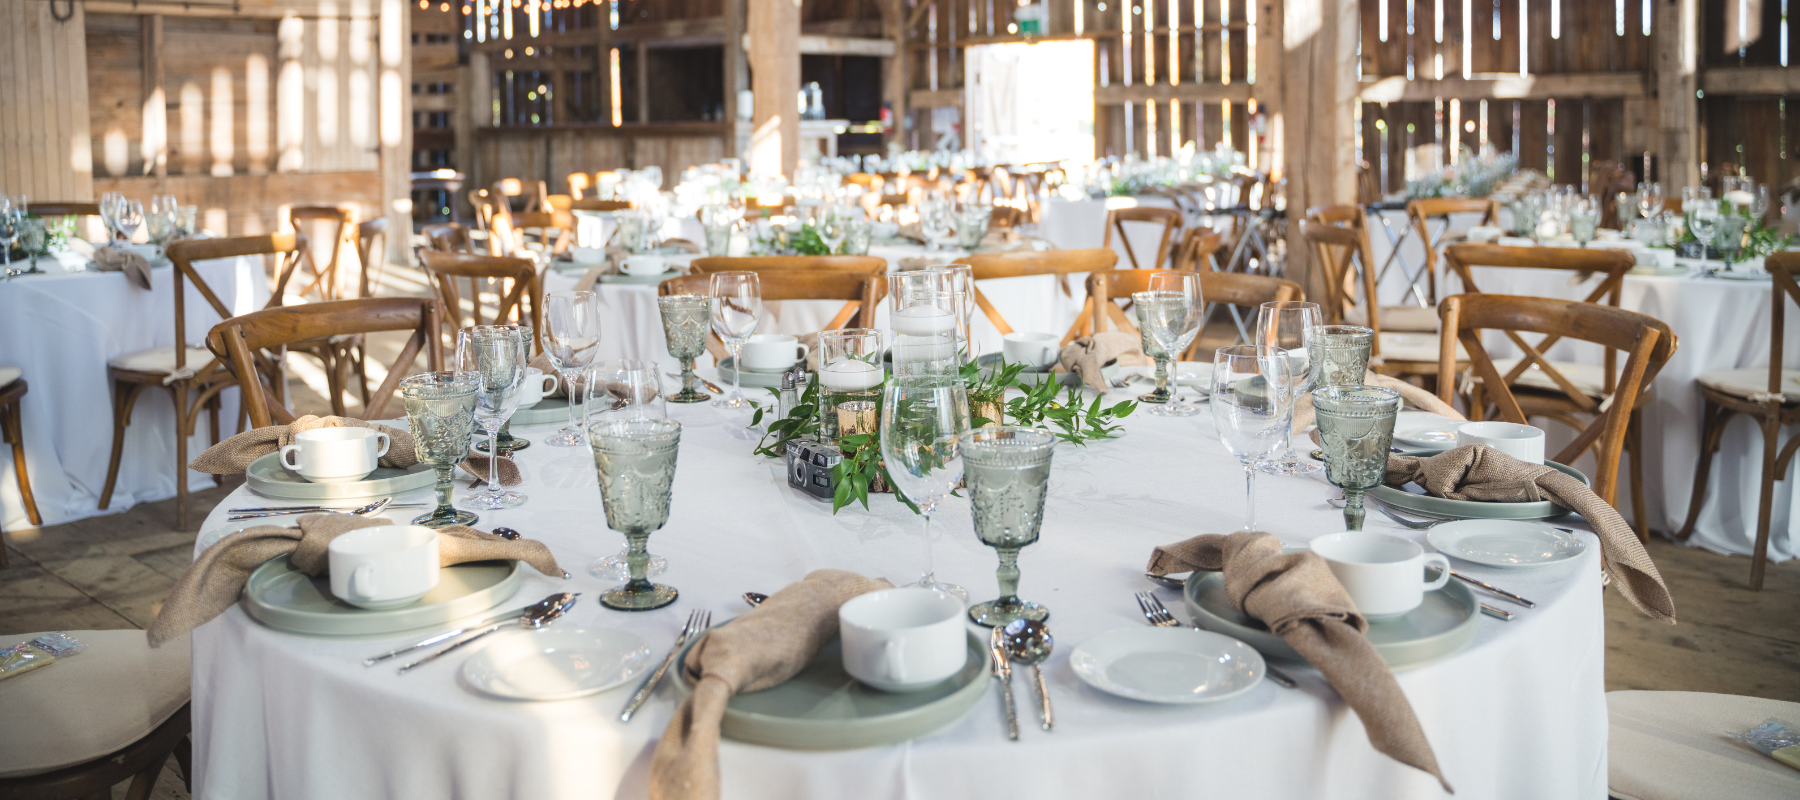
<point>1298,598</point>
<point>1305,416</point>
<point>1085,356</point>
<point>115,259</point>
<point>233,456</point>
<point>758,650</point>
<point>1479,472</point>
<point>215,579</point>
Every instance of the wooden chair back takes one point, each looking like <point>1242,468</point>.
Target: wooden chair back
<point>1005,217</point>
<point>596,204</point>
<point>290,252</point>
<point>343,224</point>
<point>1647,341</point>
<point>861,292</point>
<point>373,258</point>
<point>1228,288</point>
<point>1168,218</point>
<point>1782,269</point>
<point>1198,246</point>
<point>514,283</point>
<point>989,266</point>
<point>578,184</point>
<point>1421,211</point>
<point>763,265</point>
<point>58,209</point>
<point>1339,236</point>
<point>1613,264</point>
<point>452,237</point>
<point>550,230</point>
<point>241,342</point>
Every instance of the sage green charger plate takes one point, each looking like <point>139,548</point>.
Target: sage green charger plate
<point>823,708</point>
<point>751,378</point>
<point>1441,625</point>
<point>548,411</point>
<point>1446,508</point>
<point>285,598</point>
<point>268,478</point>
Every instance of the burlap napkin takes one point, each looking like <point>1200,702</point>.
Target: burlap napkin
<point>215,579</point>
<point>1305,416</point>
<point>756,651</point>
<point>1479,472</point>
<point>233,456</point>
<point>1085,356</point>
<point>1298,598</point>
<point>116,259</point>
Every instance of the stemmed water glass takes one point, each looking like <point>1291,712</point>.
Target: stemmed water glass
<point>635,461</point>
<point>1650,199</point>
<point>623,389</point>
<point>934,220</point>
<point>834,227</point>
<point>1169,317</point>
<point>498,356</point>
<point>1251,405</point>
<point>9,228</point>
<point>736,310</point>
<point>130,217</point>
<point>440,411</point>
<point>571,339</point>
<point>684,322</point>
<point>1703,221</point>
<point>1287,327</point>
<point>922,418</point>
<point>1008,471</point>
<point>111,205</point>
<point>159,220</point>
<point>1356,427</point>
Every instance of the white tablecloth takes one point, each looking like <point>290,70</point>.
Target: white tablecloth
<point>1721,324</point>
<point>61,328</point>
<point>1520,713</point>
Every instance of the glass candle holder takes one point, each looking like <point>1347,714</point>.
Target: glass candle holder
<point>685,319</point>
<point>1356,426</point>
<point>440,411</point>
<point>850,371</point>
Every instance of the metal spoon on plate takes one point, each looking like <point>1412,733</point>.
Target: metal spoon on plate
<point>536,616</point>
<point>1029,641</point>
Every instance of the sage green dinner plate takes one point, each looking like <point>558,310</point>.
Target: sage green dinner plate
<point>1446,508</point>
<point>1441,625</point>
<point>823,708</point>
<point>752,378</point>
<point>268,478</point>
<point>285,598</point>
<point>548,411</point>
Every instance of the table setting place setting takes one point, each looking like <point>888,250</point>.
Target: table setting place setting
<point>844,658</point>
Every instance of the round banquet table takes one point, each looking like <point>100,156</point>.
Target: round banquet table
<point>62,327</point>
<point>1721,324</point>
<point>1520,712</point>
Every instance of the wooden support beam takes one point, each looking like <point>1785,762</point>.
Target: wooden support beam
<point>155,137</point>
<point>896,77</point>
<point>46,151</point>
<point>1751,80</point>
<point>811,45</point>
<point>737,70</point>
<point>394,125</point>
<point>1505,87</point>
<point>1119,94</point>
<point>643,82</point>
<point>1318,96</point>
<point>775,78</point>
<point>1677,33</point>
<point>942,98</point>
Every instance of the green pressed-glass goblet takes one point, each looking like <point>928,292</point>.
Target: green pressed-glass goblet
<point>1008,472</point>
<point>1356,424</point>
<point>440,410</point>
<point>1341,354</point>
<point>685,319</point>
<point>1161,393</point>
<point>635,460</point>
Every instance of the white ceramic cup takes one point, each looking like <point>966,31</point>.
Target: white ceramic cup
<point>1037,351</point>
<point>1522,442</point>
<point>1385,575</point>
<point>903,640</point>
<point>384,567</point>
<point>644,265</point>
<point>772,352</point>
<point>537,384</point>
<point>335,455</point>
<point>587,256</point>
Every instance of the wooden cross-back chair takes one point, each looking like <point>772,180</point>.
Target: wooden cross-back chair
<point>549,230</point>
<point>343,224</point>
<point>1004,217</point>
<point>242,341</point>
<point>1168,218</point>
<point>1196,251</point>
<point>1764,394</point>
<point>579,182</point>
<point>870,266</point>
<point>373,258</point>
<point>191,375</point>
<point>1406,341</point>
<point>1421,212</point>
<point>596,204</point>
<point>514,283</point>
<point>1216,288</point>
<point>861,292</point>
<point>451,237</point>
<point>1647,342</point>
<point>991,266</point>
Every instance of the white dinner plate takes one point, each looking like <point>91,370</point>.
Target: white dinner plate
<point>556,663</point>
<point>1168,665</point>
<point>1506,543</point>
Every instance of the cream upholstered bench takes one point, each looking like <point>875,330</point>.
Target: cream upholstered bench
<point>79,726</point>
<point>1676,746</point>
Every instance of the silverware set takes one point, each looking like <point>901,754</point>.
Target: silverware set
<point>1423,525</point>
<point>1002,669</point>
<point>1157,614</point>
<point>282,511</point>
<point>697,623</point>
<point>534,616</point>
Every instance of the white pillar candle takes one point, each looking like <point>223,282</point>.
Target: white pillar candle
<point>1739,198</point>
<point>923,321</point>
<point>850,375</point>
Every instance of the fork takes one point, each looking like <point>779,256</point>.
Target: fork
<point>697,623</point>
<point>1410,524</point>
<point>368,509</point>
<point>1159,615</point>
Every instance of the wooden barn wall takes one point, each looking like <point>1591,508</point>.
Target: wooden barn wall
<point>44,134</point>
<point>550,155</point>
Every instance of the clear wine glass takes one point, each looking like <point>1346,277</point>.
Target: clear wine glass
<point>1286,326</point>
<point>834,226</point>
<point>1759,205</point>
<point>9,228</point>
<point>737,308</point>
<point>130,218</point>
<point>571,340</point>
<point>922,417</point>
<point>1703,221</point>
<point>934,220</point>
<point>159,220</point>
<point>1171,313</point>
<point>624,389</point>
<point>110,206</point>
<point>499,355</point>
<point>1650,199</point>
<point>1251,405</point>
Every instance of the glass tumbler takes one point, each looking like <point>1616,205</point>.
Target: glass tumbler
<point>440,411</point>
<point>1356,425</point>
<point>685,319</point>
<point>1008,473</point>
<point>635,462</point>
<point>1341,353</point>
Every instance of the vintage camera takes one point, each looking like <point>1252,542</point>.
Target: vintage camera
<point>809,463</point>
